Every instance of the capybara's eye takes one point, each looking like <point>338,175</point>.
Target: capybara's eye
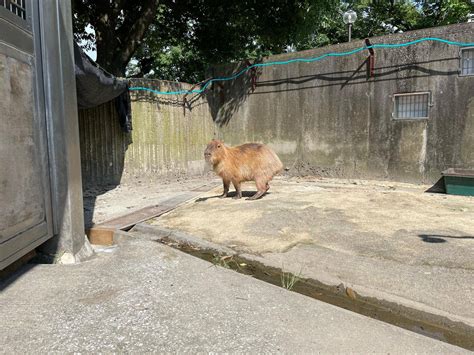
<point>219,146</point>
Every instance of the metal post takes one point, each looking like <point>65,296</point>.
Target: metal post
<point>371,63</point>
<point>349,17</point>
<point>55,41</point>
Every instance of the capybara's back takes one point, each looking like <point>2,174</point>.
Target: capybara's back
<point>255,160</point>
<point>246,162</point>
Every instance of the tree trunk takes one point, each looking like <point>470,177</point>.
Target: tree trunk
<point>116,46</point>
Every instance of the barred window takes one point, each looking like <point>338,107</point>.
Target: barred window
<point>467,61</point>
<point>411,106</point>
<point>15,6</point>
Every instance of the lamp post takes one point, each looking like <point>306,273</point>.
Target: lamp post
<point>349,17</point>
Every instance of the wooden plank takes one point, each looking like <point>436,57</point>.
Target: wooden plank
<point>103,233</point>
<point>129,220</point>
<point>99,235</point>
<point>206,187</point>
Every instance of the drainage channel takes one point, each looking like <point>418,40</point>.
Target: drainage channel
<point>433,326</point>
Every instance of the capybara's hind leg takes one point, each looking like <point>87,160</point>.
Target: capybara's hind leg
<point>226,188</point>
<point>238,190</point>
<point>261,189</point>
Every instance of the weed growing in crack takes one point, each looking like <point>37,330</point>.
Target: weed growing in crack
<point>288,279</point>
<point>227,262</point>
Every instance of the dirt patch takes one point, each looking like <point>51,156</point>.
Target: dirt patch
<point>387,220</point>
<point>250,230</point>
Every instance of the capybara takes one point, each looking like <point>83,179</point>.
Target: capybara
<point>246,162</point>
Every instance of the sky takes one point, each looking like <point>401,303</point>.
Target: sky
<point>92,53</point>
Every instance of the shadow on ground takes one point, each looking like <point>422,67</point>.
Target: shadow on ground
<point>437,238</point>
<point>245,194</point>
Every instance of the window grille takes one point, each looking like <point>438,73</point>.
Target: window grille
<point>467,61</point>
<point>411,106</point>
<point>16,6</point>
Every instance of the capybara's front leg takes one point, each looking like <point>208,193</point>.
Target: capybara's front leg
<point>262,188</point>
<point>226,188</point>
<point>238,191</point>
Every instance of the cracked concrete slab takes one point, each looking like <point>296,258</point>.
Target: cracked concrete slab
<point>141,296</point>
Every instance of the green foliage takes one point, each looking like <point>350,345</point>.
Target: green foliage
<point>119,26</point>
<point>189,36</point>
<point>183,38</point>
<point>381,18</point>
<point>376,18</point>
<point>443,12</point>
<point>251,29</point>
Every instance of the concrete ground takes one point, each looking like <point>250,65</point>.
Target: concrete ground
<point>387,240</point>
<point>141,296</point>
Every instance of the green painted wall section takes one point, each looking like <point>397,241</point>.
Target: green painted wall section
<point>167,139</point>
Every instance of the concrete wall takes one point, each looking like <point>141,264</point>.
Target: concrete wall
<point>103,145</point>
<point>330,118</point>
<point>167,138</point>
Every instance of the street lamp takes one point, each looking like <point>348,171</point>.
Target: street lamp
<point>349,17</point>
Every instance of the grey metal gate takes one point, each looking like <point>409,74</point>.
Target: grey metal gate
<point>25,199</point>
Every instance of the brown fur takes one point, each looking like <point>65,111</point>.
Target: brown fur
<point>246,162</point>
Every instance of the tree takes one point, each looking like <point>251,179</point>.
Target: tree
<point>385,17</point>
<point>119,26</point>
<point>191,35</point>
<point>194,40</point>
<point>181,39</point>
<point>444,12</point>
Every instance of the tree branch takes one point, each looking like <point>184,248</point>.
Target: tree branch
<point>138,30</point>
